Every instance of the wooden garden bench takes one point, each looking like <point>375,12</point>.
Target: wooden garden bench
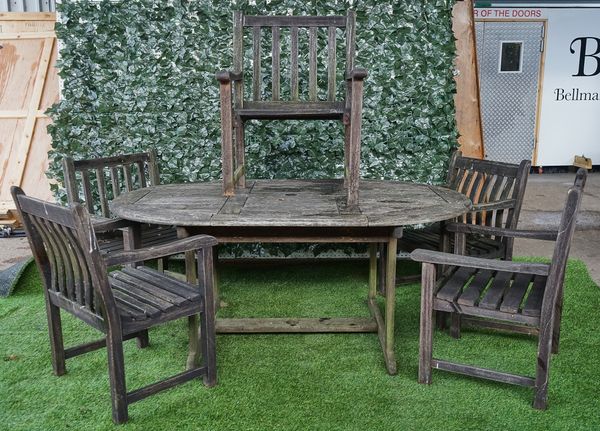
<point>515,296</point>
<point>95,182</point>
<point>236,109</point>
<point>122,304</point>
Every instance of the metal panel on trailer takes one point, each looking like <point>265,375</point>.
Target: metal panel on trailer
<point>27,5</point>
<point>509,98</point>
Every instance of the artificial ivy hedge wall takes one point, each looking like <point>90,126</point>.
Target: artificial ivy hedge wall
<point>139,74</point>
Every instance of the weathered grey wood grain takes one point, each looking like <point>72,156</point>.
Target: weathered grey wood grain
<point>498,296</point>
<point>289,203</point>
<point>121,304</point>
<point>235,110</point>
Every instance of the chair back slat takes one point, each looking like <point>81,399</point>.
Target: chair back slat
<point>103,179</point>
<point>275,56</point>
<point>486,182</point>
<point>331,63</point>
<point>256,75</point>
<point>102,192</point>
<point>238,57</point>
<point>312,64</point>
<point>66,253</point>
<point>141,174</point>
<point>114,178</point>
<point>87,191</point>
<point>278,28</point>
<point>294,64</point>
<point>350,40</point>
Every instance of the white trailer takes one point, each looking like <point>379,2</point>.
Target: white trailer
<point>539,69</point>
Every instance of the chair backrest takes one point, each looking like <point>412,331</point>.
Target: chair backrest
<point>292,30</point>
<point>103,179</point>
<point>566,230</point>
<point>490,182</point>
<point>67,255</point>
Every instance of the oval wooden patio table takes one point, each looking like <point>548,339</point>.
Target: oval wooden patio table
<point>301,211</point>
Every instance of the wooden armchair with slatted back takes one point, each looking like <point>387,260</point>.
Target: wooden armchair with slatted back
<point>122,304</point>
<point>269,101</point>
<point>496,190</point>
<point>511,296</point>
<point>95,182</point>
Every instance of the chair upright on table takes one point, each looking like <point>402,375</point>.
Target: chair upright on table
<point>122,304</point>
<point>95,182</point>
<point>289,103</point>
<point>522,297</point>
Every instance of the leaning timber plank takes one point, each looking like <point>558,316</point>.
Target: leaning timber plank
<point>292,325</point>
<point>27,35</point>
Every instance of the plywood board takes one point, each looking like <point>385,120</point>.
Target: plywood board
<point>28,86</point>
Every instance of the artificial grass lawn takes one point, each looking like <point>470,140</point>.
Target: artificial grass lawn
<point>324,382</point>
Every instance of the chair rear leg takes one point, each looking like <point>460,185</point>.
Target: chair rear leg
<point>455,322</point>
<point>540,399</point>
<point>426,325</point>
<point>143,340</point>
<point>557,319</point>
<point>57,346</point>
<point>116,376</point>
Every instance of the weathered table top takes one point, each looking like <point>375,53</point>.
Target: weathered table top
<point>291,203</point>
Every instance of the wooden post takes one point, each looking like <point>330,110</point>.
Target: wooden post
<point>467,98</point>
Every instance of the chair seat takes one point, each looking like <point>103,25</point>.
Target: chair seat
<point>151,236</point>
<point>144,294</point>
<point>494,294</point>
<point>429,238</point>
<point>292,110</point>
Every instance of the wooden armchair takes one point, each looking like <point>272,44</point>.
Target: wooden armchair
<point>122,304</point>
<point>522,297</point>
<point>236,110</point>
<point>496,190</point>
<point>103,179</point>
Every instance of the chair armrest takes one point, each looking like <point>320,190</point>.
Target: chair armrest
<point>356,73</point>
<point>498,205</point>
<point>109,224</point>
<point>547,235</point>
<point>437,257</point>
<point>178,246</point>
<point>225,76</point>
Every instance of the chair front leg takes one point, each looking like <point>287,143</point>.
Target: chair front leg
<point>116,376</point>
<point>57,346</point>
<point>426,325</point>
<point>207,317</point>
<point>460,247</point>
<point>540,399</point>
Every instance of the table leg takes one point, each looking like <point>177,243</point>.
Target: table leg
<point>372,270</point>
<point>193,358</point>
<point>132,240</point>
<point>390,305</point>
<point>385,324</point>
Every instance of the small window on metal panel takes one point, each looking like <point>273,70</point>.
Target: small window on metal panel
<point>511,56</point>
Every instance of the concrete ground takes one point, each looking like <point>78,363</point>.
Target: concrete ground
<point>544,199</point>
